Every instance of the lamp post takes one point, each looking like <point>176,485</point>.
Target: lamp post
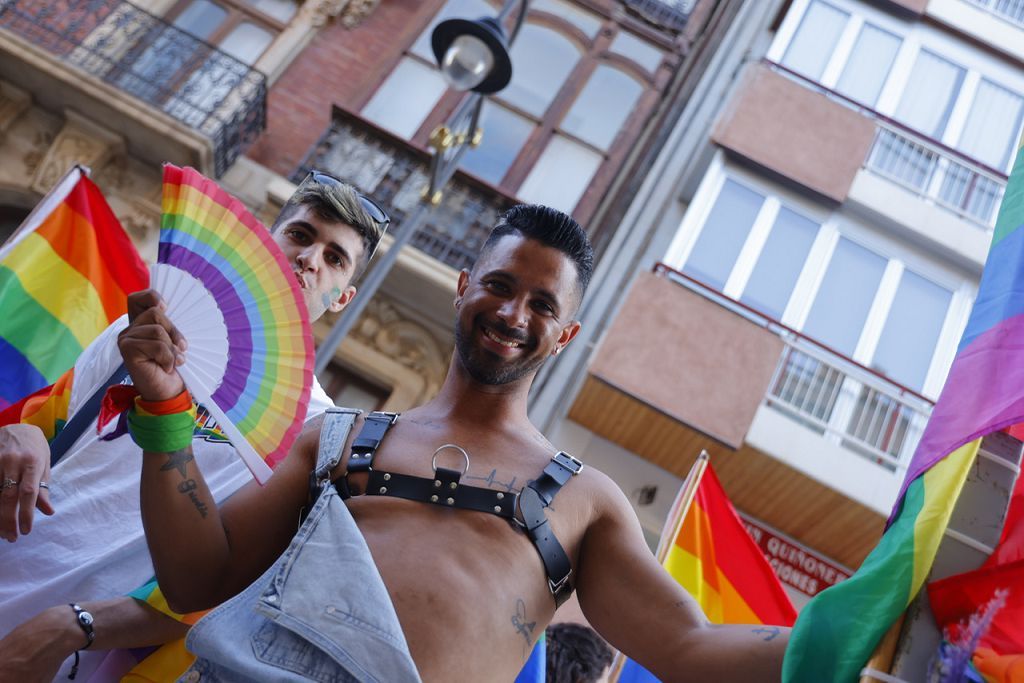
<point>474,57</point>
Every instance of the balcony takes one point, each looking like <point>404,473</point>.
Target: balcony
<point>395,173</point>
<point>73,54</point>
<point>668,14</point>
<point>1008,10</point>
<point>804,438</point>
<point>937,174</point>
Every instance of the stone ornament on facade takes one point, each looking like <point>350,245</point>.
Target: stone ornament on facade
<point>384,329</point>
<point>80,141</point>
<point>13,103</point>
<point>351,13</point>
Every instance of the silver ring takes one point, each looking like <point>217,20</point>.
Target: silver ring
<point>460,449</point>
<point>44,485</point>
<point>9,483</point>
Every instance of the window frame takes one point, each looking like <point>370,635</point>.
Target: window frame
<point>238,12</point>
<point>834,224</point>
<point>593,52</point>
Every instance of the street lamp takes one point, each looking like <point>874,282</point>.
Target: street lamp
<point>474,58</point>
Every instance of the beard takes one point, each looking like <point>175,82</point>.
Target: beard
<point>488,368</point>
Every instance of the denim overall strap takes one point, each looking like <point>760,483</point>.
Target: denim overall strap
<point>320,613</point>
<point>333,434</point>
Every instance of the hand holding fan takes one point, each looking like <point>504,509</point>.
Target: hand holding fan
<point>234,297</point>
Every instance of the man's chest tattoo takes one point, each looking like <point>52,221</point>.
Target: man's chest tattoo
<point>493,480</point>
<point>522,625</point>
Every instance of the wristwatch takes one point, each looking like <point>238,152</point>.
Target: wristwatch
<point>84,620</point>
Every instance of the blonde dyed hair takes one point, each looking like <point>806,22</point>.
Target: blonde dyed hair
<point>339,203</point>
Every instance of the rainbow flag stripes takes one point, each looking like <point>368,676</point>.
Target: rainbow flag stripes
<point>717,561</point>
<point>984,392</point>
<point>63,280</point>
<point>714,558</point>
<point>264,391</point>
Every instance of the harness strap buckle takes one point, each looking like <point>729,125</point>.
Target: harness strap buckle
<point>556,586</point>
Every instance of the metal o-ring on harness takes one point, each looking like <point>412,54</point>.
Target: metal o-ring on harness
<point>460,449</point>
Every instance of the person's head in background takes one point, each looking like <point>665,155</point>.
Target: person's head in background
<point>328,231</point>
<point>576,654</point>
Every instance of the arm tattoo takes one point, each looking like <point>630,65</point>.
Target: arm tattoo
<point>178,460</point>
<point>522,626</point>
<point>771,631</point>
<point>188,488</point>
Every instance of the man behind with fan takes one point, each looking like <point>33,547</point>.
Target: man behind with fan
<point>437,545</point>
<point>92,546</point>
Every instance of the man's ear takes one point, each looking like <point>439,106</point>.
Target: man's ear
<point>569,332</point>
<point>460,288</point>
<point>343,300</point>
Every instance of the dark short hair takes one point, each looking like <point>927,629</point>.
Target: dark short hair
<point>338,203</point>
<point>576,654</point>
<point>552,228</point>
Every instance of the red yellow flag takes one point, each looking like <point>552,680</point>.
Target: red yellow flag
<point>717,561</point>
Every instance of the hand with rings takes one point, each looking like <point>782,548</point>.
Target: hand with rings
<point>24,472</point>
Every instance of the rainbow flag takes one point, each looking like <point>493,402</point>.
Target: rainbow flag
<point>64,277</point>
<point>984,392</point>
<point>714,558</point>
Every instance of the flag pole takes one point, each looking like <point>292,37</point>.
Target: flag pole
<point>885,652</point>
<point>673,523</point>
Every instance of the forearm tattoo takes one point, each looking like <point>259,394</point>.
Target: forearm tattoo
<point>769,632</point>
<point>179,460</point>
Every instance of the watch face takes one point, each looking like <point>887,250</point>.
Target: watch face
<point>85,618</point>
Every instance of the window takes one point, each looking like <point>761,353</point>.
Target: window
<point>911,330</point>
<point>992,125</point>
<point>180,72</point>
<point>560,76</point>
<point>931,91</point>
<point>754,247</point>
<point>242,28</point>
<point>868,65</point>
<point>505,133</point>
<point>613,93</point>
<point>809,51</point>
<point>417,87</point>
<point>845,296</point>
<point>723,235</point>
<point>782,258</point>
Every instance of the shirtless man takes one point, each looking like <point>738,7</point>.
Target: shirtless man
<point>470,592</point>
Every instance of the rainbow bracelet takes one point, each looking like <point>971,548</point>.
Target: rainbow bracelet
<point>161,433</point>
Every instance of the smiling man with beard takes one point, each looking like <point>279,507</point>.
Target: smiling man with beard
<point>430,548</point>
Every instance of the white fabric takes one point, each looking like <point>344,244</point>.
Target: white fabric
<point>94,546</point>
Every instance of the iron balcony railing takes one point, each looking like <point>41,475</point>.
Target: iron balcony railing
<point>1011,10</point>
<point>927,167</point>
<point>396,172</point>
<point>967,189</point>
<point>668,14</point>
<point>154,61</point>
<point>851,404</point>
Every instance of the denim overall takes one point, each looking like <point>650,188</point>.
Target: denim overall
<point>321,612</point>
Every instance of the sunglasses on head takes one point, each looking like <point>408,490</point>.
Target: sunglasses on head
<point>371,207</point>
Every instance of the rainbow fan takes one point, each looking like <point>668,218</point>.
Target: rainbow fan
<point>231,293</point>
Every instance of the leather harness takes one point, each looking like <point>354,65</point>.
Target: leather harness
<point>524,509</point>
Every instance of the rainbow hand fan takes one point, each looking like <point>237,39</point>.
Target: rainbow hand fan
<point>231,293</point>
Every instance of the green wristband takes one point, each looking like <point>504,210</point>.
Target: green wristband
<point>161,433</point>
